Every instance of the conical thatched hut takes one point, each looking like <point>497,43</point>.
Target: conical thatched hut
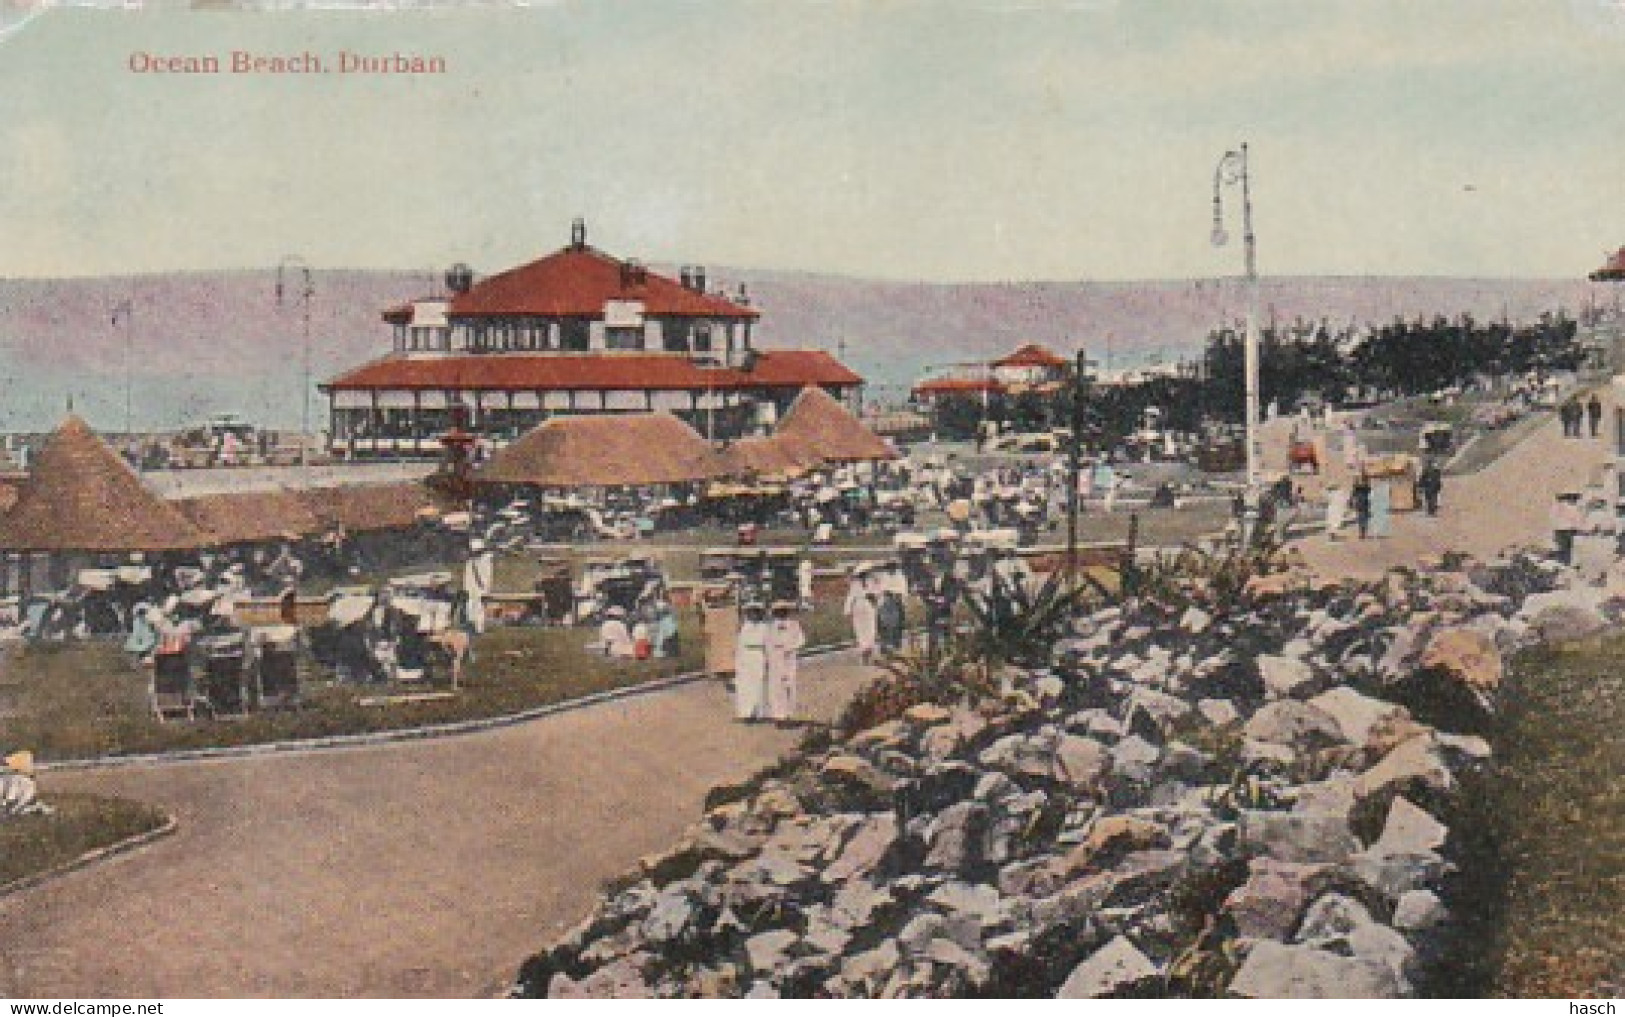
<point>80,502</point>
<point>79,496</point>
<point>817,428</point>
<point>622,450</point>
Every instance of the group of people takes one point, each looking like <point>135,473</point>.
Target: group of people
<point>876,607</point>
<point>649,630</point>
<point>766,659</point>
<point>1576,415</point>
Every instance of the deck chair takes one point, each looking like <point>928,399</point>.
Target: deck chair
<point>276,667</point>
<point>172,691</point>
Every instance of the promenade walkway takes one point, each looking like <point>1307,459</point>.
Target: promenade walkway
<point>423,868</point>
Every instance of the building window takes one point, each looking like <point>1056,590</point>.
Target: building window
<point>623,338</point>
<point>702,338</point>
<point>575,335</point>
<point>674,335</point>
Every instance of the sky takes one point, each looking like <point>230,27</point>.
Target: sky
<point>941,141</point>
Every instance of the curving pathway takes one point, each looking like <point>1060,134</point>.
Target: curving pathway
<point>426,868</point>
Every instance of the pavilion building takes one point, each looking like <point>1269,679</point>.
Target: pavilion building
<point>575,332</point>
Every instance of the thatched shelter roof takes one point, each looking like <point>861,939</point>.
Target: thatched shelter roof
<point>818,427</point>
<point>360,508</point>
<point>80,496</point>
<point>619,450</point>
<point>766,457</point>
<point>248,517</point>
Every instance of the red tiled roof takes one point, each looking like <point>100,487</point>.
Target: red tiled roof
<point>936,385</point>
<point>1032,355</point>
<point>526,372</point>
<point>578,282</point>
<point>1613,269</point>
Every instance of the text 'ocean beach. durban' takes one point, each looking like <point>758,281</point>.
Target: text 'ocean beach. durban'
<point>239,61</point>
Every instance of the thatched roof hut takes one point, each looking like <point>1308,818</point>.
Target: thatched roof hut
<point>250,517</point>
<point>81,496</point>
<point>366,508</point>
<point>619,450</point>
<point>817,428</point>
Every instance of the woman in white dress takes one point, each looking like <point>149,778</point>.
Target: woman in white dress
<point>785,639</point>
<point>862,606</point>
<point>1337,508</point>
<point>750,665</point>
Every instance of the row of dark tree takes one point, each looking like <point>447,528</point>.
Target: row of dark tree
<point>1298,363</point>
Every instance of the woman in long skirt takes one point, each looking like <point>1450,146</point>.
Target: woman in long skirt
<point>750,665</point>
<point>862,606</point>
<point>1381,507</point>
<point>785,639</point>
<point>1337,508</point>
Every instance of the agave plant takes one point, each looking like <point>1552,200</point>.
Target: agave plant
<point>1011,624</point>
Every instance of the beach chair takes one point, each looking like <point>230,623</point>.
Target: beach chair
<point>223,674</point>
<point>172,692</point>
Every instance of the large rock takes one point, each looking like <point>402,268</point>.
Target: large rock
<point>1080,761</point>
<point>858,773</point>
<point>1217,712</point>
<point>1295,836</point>
<point>1117,966</point>
<point>1415,760</point>
<point>1355,714</point>
<point>870,841</point>
<point>1135,759</point>
<point>1290,722</point>
<point>1418,910</point>
<point>1468,656</point>
<point>958,837</point>
<point>1270,903</point>
<point>1564,615</point>
<point>768,951</point>
<point>1275,971</point>
<point>1343,925</point>
<point>1410,831</point>
<point>1110,838</point>
<point>1284,676</point>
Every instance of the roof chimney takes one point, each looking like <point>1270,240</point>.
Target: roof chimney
<point>743,300</point>
<point>578,234</point>
<point>686,276</point>
<point>699,278</point>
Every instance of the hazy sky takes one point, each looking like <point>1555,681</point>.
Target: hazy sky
<point>945,140</point>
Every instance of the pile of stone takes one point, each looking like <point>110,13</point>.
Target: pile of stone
<point>1190,800</point>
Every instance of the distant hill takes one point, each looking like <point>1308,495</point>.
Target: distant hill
<point>209,342</point>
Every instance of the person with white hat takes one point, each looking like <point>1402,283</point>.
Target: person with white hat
<point>478,575</point>
<point>19,794</point>
<point>862,606</point>
<point>614,635</point>
<point>785,638</point>
<point>750,664</point>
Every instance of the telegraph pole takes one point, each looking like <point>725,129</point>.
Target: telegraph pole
<point>1080,391</point>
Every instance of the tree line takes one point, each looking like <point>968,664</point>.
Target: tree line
<point>1297,363</point>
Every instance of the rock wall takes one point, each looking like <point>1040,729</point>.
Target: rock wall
<point>1189,801</point>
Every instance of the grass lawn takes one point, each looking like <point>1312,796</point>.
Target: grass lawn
<point>30,845</point>
<point>86,699</point>
<point>1549,890</point>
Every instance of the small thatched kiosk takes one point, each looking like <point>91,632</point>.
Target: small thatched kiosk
<point>817,429</point>
<point>81,504</point>
<point>621,450</point>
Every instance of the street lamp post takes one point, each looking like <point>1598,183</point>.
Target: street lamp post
<point>307,291</point>
<point>124,311</point>
<point>1232,170</point>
